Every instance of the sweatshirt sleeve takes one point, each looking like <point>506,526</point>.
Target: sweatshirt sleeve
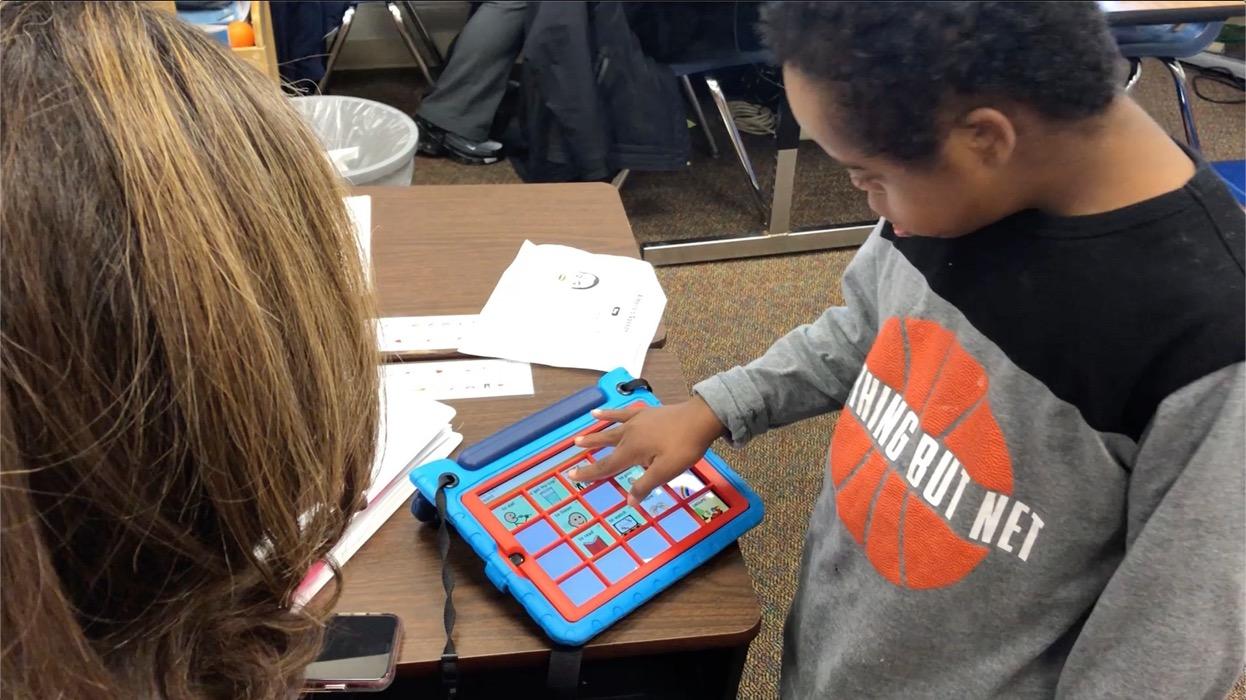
<point>1170,621</point>
<point>810,370</point>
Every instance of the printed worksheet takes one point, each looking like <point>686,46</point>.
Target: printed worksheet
<point>398,334</point>
<point>565,307</point>
<point>447,380</point>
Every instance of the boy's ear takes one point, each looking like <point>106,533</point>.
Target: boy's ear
<point>989,134</point>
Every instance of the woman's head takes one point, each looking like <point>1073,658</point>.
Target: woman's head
<point>189,375</point>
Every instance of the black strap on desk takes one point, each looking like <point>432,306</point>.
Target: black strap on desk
<point>564,672</point>
<point>563,679</point>
<point>564,662</point>
<point>449,658</point>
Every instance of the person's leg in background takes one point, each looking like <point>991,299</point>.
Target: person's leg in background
<point>455,116</point>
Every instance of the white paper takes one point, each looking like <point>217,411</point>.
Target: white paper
<point>464,379</point>
<point>410,422</point>
<point>565,307</point>
<point>396,334</point>
<point>366,523</point>
<point>381,481</point>
<point>343,158</point>
<point>359,208</point>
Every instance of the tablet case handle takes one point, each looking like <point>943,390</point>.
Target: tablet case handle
<point>530,428</point>
<point>630,387</point>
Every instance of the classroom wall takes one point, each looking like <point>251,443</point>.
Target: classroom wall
<point>374,42</point>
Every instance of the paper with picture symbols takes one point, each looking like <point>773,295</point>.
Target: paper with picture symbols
<point>464,379</point>
<point>565,307</point>
<point>398,334</point>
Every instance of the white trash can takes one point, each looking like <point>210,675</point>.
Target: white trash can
<point>370,143</point>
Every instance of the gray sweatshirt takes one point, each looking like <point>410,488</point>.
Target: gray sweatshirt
<point>1035,487</point>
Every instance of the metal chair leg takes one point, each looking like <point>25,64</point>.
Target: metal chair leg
<point>738,144</point>
<point>423,34</point>
<point>1135,72</point>
<point>339,40</point>
<point>1187,115</point>
<point>395,12</point>
<point>700,114</point>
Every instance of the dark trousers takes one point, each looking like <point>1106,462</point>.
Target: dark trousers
<point>469,90</point>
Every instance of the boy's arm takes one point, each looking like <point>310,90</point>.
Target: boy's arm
<point>1169,623</point>
<point>811,369</point>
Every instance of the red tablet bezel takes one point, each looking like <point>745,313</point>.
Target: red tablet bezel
<point>528,566</point>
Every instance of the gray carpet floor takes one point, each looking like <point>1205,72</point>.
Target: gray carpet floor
<point>723,314</point>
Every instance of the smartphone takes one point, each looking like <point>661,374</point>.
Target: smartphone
<point>360,653</point>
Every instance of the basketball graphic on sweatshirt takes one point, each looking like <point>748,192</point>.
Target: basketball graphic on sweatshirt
<point>916,445</point>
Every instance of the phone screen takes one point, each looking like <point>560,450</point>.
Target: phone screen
<point>356,648</point>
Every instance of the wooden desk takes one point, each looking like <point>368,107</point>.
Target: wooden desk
<point>712,610</point>
<point>398,570</point>
<point>1172,12</point>
<point>440,249</point>
<point>432,257</point>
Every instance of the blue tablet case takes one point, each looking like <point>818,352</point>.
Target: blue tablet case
<point>519,444</point>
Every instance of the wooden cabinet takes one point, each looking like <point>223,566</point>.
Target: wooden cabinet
<point>263,56</point>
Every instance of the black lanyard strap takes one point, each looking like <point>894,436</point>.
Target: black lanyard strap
<point>449,657</point>
<point>564,672</point>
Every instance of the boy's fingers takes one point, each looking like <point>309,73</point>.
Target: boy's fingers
<point>607,467</point>
<point>658,473</point>
<point>601,438</point>
<point>618,415</point>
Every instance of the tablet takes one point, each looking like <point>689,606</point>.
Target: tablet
<point>575,555</point>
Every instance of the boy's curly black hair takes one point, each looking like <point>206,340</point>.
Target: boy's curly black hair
<point>894,65</point>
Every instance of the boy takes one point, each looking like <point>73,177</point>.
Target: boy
<point>1035,487</point>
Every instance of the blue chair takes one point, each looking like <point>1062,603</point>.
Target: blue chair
<point>1167,42</point>
<point>703,67</point>
<point>1233,172</point>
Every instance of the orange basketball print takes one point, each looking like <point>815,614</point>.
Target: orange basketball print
<point>919,387</point>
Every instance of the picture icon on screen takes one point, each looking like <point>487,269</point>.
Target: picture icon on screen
<point>708,506</point>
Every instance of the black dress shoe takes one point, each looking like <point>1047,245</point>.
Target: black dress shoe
<point>430,143</point>
<point>435,141</point>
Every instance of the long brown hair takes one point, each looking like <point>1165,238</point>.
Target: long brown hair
<point>188,396</point>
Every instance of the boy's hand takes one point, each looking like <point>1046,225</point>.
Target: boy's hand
<point>666,439</point>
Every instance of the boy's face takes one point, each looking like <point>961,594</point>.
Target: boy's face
<point>959,192</point>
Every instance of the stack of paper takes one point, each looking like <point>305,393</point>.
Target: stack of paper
<point>413,430</point>
<point>569,308</point>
